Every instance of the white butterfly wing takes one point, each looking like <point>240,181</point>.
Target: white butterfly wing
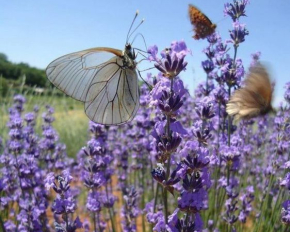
<point>98,77</point>
<point>113,100</point>
<point>74,72</point>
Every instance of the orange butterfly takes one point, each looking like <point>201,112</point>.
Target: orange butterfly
<point>203,27</point>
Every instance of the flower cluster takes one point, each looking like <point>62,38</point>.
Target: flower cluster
<point>96,174</point>
<point>65,203</point>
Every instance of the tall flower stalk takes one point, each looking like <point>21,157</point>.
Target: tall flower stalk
<point>167,95</point>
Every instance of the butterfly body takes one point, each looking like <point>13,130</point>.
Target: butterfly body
<point>254,98</point>
<point>129,57</point>
<point>105,79</point>
<point>203,26</point>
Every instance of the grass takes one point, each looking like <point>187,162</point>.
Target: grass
<point>71,122</point>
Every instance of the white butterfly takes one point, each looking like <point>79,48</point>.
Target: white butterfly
<point>105,79</point>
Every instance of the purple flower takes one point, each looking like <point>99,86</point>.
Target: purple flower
<point>165,145</point>
<point>209,52</point>
<point>208,66</point>
<point>221,48</point>
<point>93,202</point>
<point>236,10</point>
<point>286,181</point>
<point>9,226</point>
<point>238,33</point>
<point>232,76</point>
<point>159,175</point>
<point>71,226</point>
<point>180,48</point>
<point>164,85</point>
<point>255,58</point>
<point>231,155</point>
<point>160,225</point>
<point>130,210</point>
<point>15,147</point>
<point>246,199</point>
<point>285,212</point>
<point>29,117</point>
<point>287,92</point>
<point>153,51</point>
<point>171,66</point>
<point>169,103</point>
<point>192,201</point>
<point>172,62</point>
<point>15,123</point>
<point>19,101</point>
<point>231,207</point>
<point>213,38</point>
<point>221,95</point>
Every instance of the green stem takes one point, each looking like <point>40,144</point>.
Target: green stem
<point>228,174</point>
<point>277,216</point>
<point>110,211</point>
<point>219,124</point>
<point>143,195</point>
<point>112,220</point>
<point>235,54</point>
<point>155,198</point>
<point>2,224</point>
<point>66,221</point>
<point>165,205</point>
<point>274,211</point>
<point>229,122</point>
<point>99,224</point>
<point>186,218</point>
<point>263,203</point>
<point>168,132</point>
<point>152,180</point>
<point>95,224</point>
<point>206,87</point>
<point>155,202</point>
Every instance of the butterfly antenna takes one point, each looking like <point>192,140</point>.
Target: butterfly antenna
<point>139,34</point>
<point>136,28</point>
<point>137,12</point>
<point>221,20</point>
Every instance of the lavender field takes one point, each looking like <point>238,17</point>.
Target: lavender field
<point>181,165</point>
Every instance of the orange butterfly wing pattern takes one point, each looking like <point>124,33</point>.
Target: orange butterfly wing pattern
<point>203,27</point>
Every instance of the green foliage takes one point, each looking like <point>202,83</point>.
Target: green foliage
<point>3,86</point>
<point>3,57</point>
<point>11,71</point>
<point>71,122</point>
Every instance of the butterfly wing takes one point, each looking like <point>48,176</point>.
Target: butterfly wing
<point>259,82</point>
<point>114,100</point>
<point>203,26</point>
<point>74,72</point>
<point>99,78</point>
<point>253,99</point>
<point>244,104</point>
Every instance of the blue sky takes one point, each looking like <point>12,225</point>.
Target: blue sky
<point>37,32</point>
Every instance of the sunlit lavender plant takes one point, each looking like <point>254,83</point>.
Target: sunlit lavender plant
<point>96,172</point>
<point>167,95</point>
<point>21,176</point>
<point>64,205</point>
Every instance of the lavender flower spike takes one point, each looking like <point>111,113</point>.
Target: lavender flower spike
<point>238,33</point>
<point>172,65</point>
<point>236,10</point>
